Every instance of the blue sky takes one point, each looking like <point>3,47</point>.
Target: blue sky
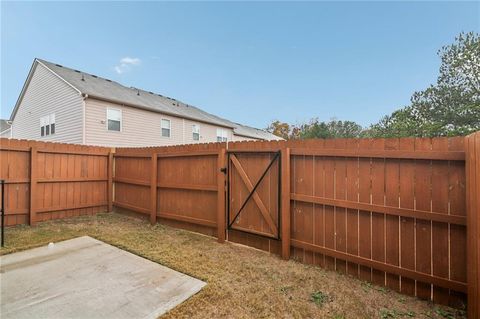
<point>249,62</point>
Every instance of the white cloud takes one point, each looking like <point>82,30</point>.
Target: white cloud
<point>129,60</point>
<point>126,64</point>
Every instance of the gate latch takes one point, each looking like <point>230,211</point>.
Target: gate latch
<point>223,170</point>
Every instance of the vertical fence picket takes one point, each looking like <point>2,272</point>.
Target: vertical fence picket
<point>364,219</point>
<point>110,169</point>
<point>423,228</point>
<point>33,185</point>
<point>377,176</point>
<point>285,203</point>
<point>221,213</point>
<point>457,207</point>
<point>352,214</point>
<point>440,234</point>
<point>153,189</point>
<point>392,223</point>
<point>407,224</point>
<point>473,224</point>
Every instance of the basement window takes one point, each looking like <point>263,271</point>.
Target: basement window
<point>165,128</point>
<point>221,135</point>
<point>196,132</point>
<point>114,120</point>
<point>47,125</point>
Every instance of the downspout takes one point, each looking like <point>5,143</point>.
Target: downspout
<point>85,96</point>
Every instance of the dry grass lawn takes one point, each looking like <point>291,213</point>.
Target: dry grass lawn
<point>241,282</point>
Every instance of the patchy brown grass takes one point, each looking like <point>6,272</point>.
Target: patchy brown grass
<point>242,282</point>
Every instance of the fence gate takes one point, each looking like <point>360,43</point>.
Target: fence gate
<point>253,204</point>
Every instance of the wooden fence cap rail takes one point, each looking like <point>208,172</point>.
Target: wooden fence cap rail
<point>372,153</point>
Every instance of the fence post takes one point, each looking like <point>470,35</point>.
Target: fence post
<point>153,190</point>
<point>472,157</point>
<point>285,206</point>
<point>110,181</point>
<point>221,196</point>
<point>33,185</point>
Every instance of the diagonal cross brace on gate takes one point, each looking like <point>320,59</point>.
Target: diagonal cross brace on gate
<point>252,189</point>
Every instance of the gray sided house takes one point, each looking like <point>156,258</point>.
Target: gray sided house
<point>5,128</point>
<point>66,105</point>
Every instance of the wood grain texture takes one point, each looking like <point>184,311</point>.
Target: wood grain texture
<point>473,229</point>
<point>395,212</point>
<point>221,208</point>
<point>52,180</point>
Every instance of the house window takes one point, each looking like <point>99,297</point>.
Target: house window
<point>114,120</point>
<point>165,128</point>
<point>221,135</point>
<point>47,125</point>
<point>196,132</point>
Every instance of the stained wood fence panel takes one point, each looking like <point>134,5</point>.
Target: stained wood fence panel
<point>395,212</point>
<point>185,190</point>
<point>67,180</point>
<point>421,244</point>
<point>473,224</point>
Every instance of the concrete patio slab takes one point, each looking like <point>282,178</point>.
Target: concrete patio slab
<point>87,278</point>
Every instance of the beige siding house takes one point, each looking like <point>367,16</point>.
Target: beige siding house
<point>66,105</point>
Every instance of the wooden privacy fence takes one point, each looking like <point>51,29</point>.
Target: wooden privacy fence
<point>46,181</point>
<point>389,211</point>
<point>395,212</point>
<point>177,185</point>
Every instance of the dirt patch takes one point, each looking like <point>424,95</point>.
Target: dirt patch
<point>241,282</point>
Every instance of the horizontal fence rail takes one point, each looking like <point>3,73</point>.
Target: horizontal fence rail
<point>46,181</point>
<point>389,211</point>
<point>395,212</point>
<point>177,185</point>
<point>394,154</point>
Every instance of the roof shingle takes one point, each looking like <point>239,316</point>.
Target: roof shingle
<point>102,88</point>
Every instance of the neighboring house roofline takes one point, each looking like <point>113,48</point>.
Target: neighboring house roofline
<point>8,129</point>
<point>122,103</point>
<point>246,135</point>
<point>5,126</point>
<point>198,115</point>
<point>58,76</point>
<point>22,92</point>
<point>27,82</point>
<point>37,61</point>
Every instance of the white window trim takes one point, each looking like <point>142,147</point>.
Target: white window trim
<point>193,131</point>
<point>121,119</point>
<point>169,128</point>
<point>46,120</point>
<point>52,115</point>
<point>223,135</point>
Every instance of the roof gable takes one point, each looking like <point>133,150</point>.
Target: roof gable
<point>33,68</point>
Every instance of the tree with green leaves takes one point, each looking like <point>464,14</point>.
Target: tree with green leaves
<point>448,108</point>
<point>332,129</point>
<point>316,129</point>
